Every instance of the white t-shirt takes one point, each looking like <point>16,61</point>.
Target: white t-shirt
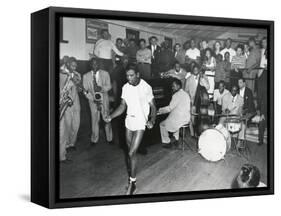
<point>137,99</point>
<point>218,96</point>
<point>193,53</point>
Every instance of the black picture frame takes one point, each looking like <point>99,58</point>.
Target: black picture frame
<point>44,106</point>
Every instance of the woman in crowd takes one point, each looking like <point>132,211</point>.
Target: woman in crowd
<point>238,62</point>
<point>217,48</point>
<point>227,69</point>
<point>209,65</point>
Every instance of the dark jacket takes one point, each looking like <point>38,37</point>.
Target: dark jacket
<point>155,54</point>
<point>249,106</point>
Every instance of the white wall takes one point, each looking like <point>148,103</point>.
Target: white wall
<point>74,32</point>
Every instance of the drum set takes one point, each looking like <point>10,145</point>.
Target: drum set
<point>215,142</point>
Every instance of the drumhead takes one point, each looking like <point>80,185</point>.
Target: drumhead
<point>212,145</point>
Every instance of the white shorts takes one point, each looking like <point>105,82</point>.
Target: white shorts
<point>134,123</point>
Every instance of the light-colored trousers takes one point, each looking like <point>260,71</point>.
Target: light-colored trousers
<point>95,115</point>
<point>69,126</point>
<point>165,133</point>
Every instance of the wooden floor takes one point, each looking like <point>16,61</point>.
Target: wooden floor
<point>101,170</point>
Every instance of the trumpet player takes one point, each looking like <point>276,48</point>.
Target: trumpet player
<point>70,119</point>
<point>97,83</point>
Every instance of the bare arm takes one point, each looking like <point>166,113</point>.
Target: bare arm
<point>153,111</point>
<point>119,110</point>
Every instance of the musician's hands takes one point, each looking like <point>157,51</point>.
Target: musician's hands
<point>107,119</point>
<point>149,124</point>
<point>89,96</point>
<point>98,88</point>
<point>227,111</point>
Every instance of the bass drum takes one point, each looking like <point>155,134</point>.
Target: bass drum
<point>226,135</point>
<point>212,145</point>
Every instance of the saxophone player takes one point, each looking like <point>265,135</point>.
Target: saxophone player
<point>70,120</point>
<point>97,83</point>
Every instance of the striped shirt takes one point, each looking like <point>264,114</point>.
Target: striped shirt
<point>238,62</point>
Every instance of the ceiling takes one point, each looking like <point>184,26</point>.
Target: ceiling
<point>204,31</point>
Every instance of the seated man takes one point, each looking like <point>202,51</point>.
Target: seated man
<point>218,95</point>
<point>232,104</point>
<point>179,114</point>
<point>176,72</point>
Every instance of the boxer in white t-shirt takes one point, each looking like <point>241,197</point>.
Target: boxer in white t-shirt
<point>138,99</point>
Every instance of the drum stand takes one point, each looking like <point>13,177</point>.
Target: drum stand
<point>182,138</point>
<point>243,150</point>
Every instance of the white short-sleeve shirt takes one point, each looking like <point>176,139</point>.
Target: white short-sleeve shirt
<point>137,99</point>
<point>218,96</point>
<point>193,53</point>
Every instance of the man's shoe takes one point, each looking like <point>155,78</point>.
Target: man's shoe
<point>71,149</point>
<point>167,145</point>
<point>110,142</point>
<point>93,144</point>
<point>131,188</point>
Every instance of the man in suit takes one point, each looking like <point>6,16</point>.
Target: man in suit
<point>179,55</point>
<point>190,87</point>
<point>179,114</point>
<point>191,82</point>
<point>232,103</point>
<point>247,95</point>
<point>70,121</point>
<point>252,62</point>
<point>155,51</point>
<point>248,107</point>
<point>262,96</point>
<point>94,81</point>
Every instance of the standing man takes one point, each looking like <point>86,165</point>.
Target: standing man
<point>190,87</point>
<point>179,54</point>
<point>144,60</point>
<point>70,121</point>
<point>192,54</point>
<point>253,61</point>
<point>228,48</point>
<point>131,51</point>
<point>155,51</point>
<point>179,115</point>
<point>262,92</point>
<point>248,106</point>
<point>103,51</point>
<point>121,48</point>
<point>137,98</point>
<point>166,57</point>
<point>98,81</point>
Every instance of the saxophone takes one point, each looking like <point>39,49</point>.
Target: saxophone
<point>98,96</point>
<point>65,99</point>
